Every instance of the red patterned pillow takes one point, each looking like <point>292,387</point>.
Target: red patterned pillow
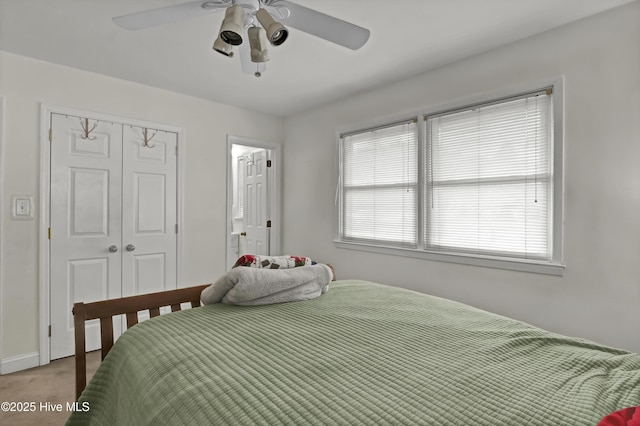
<point>626,417</point>
<point>273,262</point>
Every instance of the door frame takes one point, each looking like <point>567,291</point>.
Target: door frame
<point>2,299</point>
<point>275,185</point>
<point>45,183</point>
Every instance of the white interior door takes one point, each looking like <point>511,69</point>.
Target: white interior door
<point>149,221</point>
<point>85,227</point>
<point>255,205</point>
<point>113,216</point>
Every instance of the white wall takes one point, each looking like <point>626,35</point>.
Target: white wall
<point>599,295</point>
<point>26,83</point>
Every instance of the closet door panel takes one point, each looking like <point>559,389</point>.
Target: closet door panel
<point>149,211</point>
<point>85,206</point>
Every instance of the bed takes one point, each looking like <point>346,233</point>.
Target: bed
<point>361,354</point>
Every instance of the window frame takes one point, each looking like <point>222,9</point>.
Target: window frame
<point>553,267</point>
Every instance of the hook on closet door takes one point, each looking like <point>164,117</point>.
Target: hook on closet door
<point>146,138</point>
<point>84,123</point>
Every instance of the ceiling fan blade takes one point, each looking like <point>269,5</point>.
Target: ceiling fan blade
<point>324,26</point>
<point>165,15</point>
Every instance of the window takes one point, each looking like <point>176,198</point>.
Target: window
<point>489,182</point>
<point>479,184</point>
<point>380,186</point>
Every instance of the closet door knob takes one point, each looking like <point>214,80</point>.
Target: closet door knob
<point>113,248</point>
<point>130,247</point>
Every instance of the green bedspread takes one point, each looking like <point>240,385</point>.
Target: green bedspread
<point>362,354</point>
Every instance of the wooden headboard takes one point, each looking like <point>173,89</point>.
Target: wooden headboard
<point>130,306</point>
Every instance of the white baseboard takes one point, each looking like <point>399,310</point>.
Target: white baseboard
<point>19,362</point>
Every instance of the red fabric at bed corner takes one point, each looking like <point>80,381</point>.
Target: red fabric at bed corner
<point>626,417</point>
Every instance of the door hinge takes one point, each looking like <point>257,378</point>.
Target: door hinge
<point>50,135</point>
<point>268,163</point>
<point>176,150</point>
<point>268,224</point>
<point>49,331</point>
<point>49,233</point>
<point>176,228</point>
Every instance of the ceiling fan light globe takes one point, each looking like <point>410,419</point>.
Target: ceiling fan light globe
<point>231,37</point>
<point>278,36</point>
<point>276,32</point>
<point>258,43</point>
<point>224,48</point>
<point>232,25</point>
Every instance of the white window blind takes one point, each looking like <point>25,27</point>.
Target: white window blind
<point>489,179</point>
<point>380,186</point>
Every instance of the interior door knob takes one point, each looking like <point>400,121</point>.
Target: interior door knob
<point>244,234</point>
<point>130,247</point>
<point>113,248</point>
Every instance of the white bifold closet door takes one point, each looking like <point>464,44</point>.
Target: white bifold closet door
<point>113,216</point>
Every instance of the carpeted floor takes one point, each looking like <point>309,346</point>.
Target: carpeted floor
<point>53,383</point>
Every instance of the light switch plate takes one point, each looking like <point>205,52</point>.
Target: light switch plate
<point>22,207</point>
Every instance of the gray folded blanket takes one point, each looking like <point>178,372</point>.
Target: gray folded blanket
<point>257,286</point>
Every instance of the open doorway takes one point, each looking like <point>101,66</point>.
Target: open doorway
<point>253,198</point>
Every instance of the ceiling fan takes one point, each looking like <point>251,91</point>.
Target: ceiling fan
<point>263,20</point>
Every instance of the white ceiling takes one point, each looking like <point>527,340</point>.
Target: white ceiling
<point>407,37</point>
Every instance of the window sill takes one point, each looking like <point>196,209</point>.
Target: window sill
<point>522,265</point>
